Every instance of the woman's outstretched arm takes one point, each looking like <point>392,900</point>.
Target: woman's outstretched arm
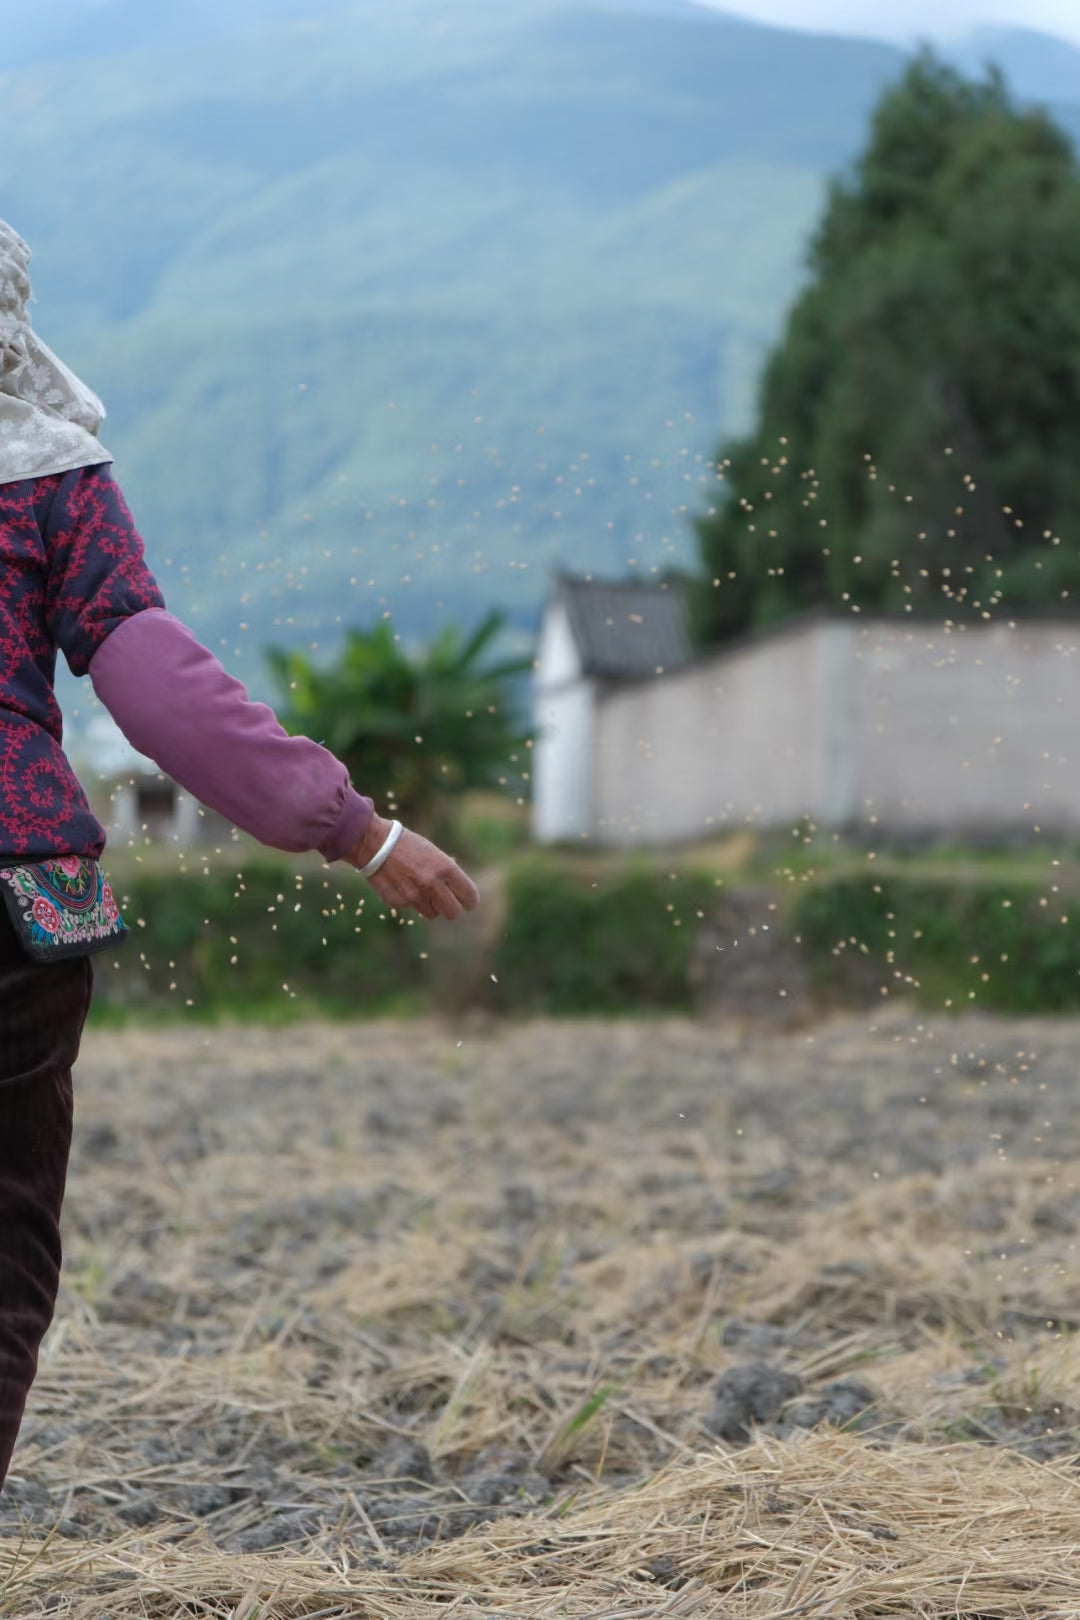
<point>176,704</point>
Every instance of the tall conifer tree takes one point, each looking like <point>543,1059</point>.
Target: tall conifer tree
<point>918,440</point>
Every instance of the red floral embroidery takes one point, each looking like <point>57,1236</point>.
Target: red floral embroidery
<point>71,570</point>
<point>46,915</point>
<point>57,916</point>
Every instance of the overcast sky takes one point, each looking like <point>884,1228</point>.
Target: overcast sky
<point>906,20</point>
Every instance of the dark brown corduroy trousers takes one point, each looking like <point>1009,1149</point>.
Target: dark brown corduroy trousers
<point>42,1012</point>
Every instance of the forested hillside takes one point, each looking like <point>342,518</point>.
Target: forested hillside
<point>429,294</point>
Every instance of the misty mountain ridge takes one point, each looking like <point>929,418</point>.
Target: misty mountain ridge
<point>396,307</point>
<point>1040,66</point>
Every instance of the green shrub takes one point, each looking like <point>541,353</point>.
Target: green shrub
<point>579,938</point>
<point>581,935</point>
<point>265,940</point>
<point>937,937</point>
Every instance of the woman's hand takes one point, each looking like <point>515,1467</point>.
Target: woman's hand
<point>416,875</point>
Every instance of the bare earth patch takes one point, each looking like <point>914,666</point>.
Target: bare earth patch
<point>584,1319</point>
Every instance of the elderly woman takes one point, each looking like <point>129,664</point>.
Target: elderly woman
<point>73,577</point>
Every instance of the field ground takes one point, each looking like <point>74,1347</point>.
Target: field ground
<point>563,1319</point>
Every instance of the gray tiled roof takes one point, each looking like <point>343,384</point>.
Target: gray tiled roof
<point>624,629</point>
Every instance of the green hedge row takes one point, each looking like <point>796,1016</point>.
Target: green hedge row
<point>271,942</point>
<point>268,940</point>
<point>573,936</point>
<point>579,939</point>
<point>1003,946</point>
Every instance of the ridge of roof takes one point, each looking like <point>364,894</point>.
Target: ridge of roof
<point>619,645</point>
<point>579,582</point>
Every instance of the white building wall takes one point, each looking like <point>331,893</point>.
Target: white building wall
<point>123,821</point>
<point>563,753</point>
<point>835,800</point>
<point>188,826</point>
<point>563,759</point>
<point>186,823</point>
<point>731,741</point>
<point>910,729</point>
<point>557,658</point>
<point>972,730</point>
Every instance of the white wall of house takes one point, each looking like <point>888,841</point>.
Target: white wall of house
<point>973,730</point>
<point>875,723</point>
<point>173,817</point>
<point>834,799</point>
<point>563,753</point>
<point>730,741</point>
<point>558,661</point>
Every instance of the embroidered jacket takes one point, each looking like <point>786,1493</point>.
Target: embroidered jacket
<point>73,576</point>
<point>71,570</point>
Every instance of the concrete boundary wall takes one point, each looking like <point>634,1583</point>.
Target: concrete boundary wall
<point>873,723</point>
<point>725,742</point>
<point>974,731</point>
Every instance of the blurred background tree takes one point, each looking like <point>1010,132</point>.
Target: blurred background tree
<point>416,732</point>
<point>916,446</point>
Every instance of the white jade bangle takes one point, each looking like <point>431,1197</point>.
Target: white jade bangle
<point>396,830</point>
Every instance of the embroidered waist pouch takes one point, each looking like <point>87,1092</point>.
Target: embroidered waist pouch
<point>61,907</point>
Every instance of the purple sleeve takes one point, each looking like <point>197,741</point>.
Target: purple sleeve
<point>175,703</point>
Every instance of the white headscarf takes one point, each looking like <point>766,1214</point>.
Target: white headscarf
<point>49,420</point>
